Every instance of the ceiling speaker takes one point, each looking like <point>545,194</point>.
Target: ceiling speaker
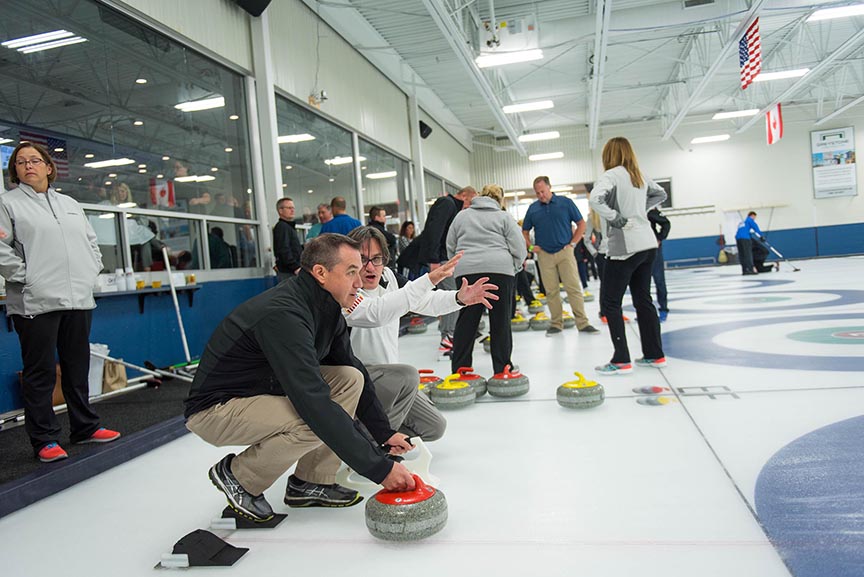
<point>253,7</point>
<point>425,130</point>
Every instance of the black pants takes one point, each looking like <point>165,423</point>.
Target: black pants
<point>600,259</point>
<point>66,334</point>
<point>501,339</point>
<point>634,272</point>
<point>745,255</point>
<point>659,275</point>
<point>523,287</point>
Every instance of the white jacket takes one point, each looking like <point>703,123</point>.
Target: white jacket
<point>374,316</point>
<point>615,199</point>
<point>49,255</point>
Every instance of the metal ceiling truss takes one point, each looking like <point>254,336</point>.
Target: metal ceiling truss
<point>451,30</point>
<point>603,13</point>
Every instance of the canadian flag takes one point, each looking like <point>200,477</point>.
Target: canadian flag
<point>774,124</point>
<point>161,193</point>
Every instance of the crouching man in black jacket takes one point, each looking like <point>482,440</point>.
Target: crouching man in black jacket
<point>279,375</point>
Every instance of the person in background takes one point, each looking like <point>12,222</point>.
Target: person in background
<point>622,197</point>
<point>493,251</point>
<point>552,217</point>
<point>432,251</point>
<point>325,215</point>
<point>220,251</point>
<point>744,239</point>
<point>660,225</point>
<point>52,314</point>
<point>341,223</point>
<point>286,245</point>
<point>378,220</point>
<point>406,235</point>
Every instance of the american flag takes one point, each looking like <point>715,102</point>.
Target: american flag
<point>750,54</point>
<point>56,148</point>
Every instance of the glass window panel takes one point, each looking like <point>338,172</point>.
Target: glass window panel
<point>115,96</point>
<point>182,237</point>
<point>316,158</point>
<point>385,184</point>
<point>450,188</point>
<point>232,245</point>
<point>107,229</point>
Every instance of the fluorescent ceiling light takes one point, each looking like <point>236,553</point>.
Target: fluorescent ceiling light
<point>127,205</point>
<point>194,178</point>
<point>342,160</point>
<point>528,106</point>
<point>140,81</point>
<point>735,114</point>
<point>107,163</point>
<point>546,156</point>
<point>514,194</point>
<point>552,135</point>
<point>763,76</point>
<point>106,215</point>
<point>380,175</point>
<point>166,158</point>
<point>50,45</point>
<point>36,39</point>
<point>5,140</point>
<point>501,58</point>
<point>706,139</point>
<point>229,149</point>
<point>841,12</point>
<point>294,138</point>
<point>138,123</point>
<point>233,117</point>
<point>206,104</point>
<point>564,188</point>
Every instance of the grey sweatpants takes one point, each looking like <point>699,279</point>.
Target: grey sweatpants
<point>447,324</point>
<point>410,413</point>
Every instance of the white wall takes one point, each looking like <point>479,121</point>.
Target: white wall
<point>358,94</point>
<point>218,25</point>
<point>741,173</point>
<point>443,155</point>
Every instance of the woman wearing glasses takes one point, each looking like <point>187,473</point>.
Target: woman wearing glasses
<point>494,249</point>
<point>50,260</point>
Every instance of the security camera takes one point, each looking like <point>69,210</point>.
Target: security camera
<point>323,96</point>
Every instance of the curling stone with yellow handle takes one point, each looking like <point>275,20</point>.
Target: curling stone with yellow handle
<point>453,393</point>
<point>540,322</point>
<point>535,306</point>
<point>580,394</point>
<point>568,321</point>
<point>519,323</point>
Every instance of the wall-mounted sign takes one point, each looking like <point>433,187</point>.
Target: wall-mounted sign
<point>833,159</point>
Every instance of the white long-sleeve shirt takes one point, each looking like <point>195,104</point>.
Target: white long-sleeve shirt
<point>374,316</point>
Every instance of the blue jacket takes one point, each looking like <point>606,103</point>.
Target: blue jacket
<point>341,223</point>
<point>746,228</point>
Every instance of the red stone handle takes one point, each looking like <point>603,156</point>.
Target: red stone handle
<point>465,370</point>
<point>420,492</point>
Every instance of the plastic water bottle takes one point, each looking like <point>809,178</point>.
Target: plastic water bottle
<point>130,279</point>
<point>120,280</point>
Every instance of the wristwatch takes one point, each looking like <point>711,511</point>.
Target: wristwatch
<point>458,302</point>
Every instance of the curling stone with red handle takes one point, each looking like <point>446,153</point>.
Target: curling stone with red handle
<point>406,515</point>
<point>508,384</point>
<point>417,326</point>
<point>428,381</point>
<point>477,382</point>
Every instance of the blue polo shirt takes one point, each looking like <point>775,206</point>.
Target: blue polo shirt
<point>341,223</point>
<point>551,222</point>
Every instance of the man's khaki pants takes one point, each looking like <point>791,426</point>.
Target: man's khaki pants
<point>561,267</point>
<point>275,434</point>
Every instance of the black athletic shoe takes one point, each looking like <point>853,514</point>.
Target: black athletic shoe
<point>304,494</point>
<point>589,329</point>
<point>552,331</point>
<point>239,499</point>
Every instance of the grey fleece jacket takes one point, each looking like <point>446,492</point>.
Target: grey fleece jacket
<point>490,237</point>
<point>49,255</point>
<point>625,209</point>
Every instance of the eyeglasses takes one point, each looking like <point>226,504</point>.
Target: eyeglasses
<point>375,260</point>
<point>33,161</point>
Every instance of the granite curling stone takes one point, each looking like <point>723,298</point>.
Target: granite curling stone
<point>519,323</point>
<point>580,394</point>
<point>540,322</point>
<point>428,381</point>
<point>487,344</point>
<point>568,321</point>
<point>535,307</point>
<point>453,393</point>
<point>540,297</point>
<point>508,384</point>
<point>481,326</point>
<point>417,326</point>
<point>477,382</point>
<point>406,515</point>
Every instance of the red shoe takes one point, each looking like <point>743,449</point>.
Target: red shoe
<point>102,435</point>
<point>52,452</point>
<point>606,322</point>
<point>603,319</point>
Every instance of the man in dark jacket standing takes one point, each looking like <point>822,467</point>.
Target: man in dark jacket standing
<point>378,220</point>
<point>661,225</point>
<point>286,245</point>
<point>279,375</point>
<point>433,250</point>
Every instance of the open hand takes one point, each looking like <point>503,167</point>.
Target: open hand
<point>445,270</point>
<point>479,292</point>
